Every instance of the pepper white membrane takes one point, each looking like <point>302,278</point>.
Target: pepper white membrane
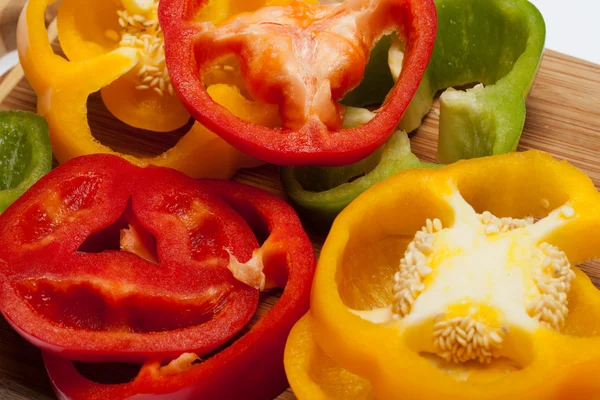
<point>479,278</point>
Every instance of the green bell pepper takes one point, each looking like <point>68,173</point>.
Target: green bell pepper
<point>326,191</point>
<point>25,154</point>
<point>497,43</point>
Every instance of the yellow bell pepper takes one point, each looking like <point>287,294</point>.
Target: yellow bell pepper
<point>116,47</point>
<point>457,284</point>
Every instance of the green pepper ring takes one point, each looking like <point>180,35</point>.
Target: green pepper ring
<point>348,182</point>
<point>25,154</point>
<point>498,43</point>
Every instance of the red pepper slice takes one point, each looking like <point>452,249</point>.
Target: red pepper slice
<point>69,295</point>
<point>304,58</point>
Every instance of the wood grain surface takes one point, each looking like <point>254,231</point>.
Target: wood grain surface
<point>563,119</point>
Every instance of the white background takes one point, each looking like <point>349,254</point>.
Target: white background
<point>572,27</point>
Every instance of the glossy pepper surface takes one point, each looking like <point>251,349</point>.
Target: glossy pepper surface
<point>185,282</point>
<point>316,54</point>
<point>463,289</point>
<point>25,154</point>
<point>496,43</point>
<point>120,54</point>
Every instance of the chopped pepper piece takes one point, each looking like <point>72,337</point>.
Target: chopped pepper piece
<point>99,62</point>
<point>168,294</point>
<point>498,43</point>
<point>451,280</point>
<point>316,54</point>
<point>25,154</point>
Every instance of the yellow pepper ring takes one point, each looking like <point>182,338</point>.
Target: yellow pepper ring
<point>63,88</point>
<point>338,353</point>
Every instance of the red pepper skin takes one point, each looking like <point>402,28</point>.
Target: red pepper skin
<point>252,366</point>
<point>188,51</point>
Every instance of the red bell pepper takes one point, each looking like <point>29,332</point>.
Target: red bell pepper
<point>68,289</point>
<point>303,58</point>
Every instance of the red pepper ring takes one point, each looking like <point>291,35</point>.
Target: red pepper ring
<point>114,305</point>
<point>308,138</point>
<point>203,220</point>
<point>252,365</point>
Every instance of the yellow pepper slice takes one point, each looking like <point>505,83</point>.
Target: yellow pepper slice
<point>99,27</point>
<point>97,62</point>
<point>494,311</point>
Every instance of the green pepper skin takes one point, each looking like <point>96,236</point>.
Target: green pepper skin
<point>498,43</point>
<point>25,154</point>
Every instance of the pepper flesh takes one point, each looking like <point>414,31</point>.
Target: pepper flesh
<point>25,154</point>
<point>351,343</point>
<point>200,153</point>
<point>304,88</point>
<point>497,43</point>
<point>74,297</point>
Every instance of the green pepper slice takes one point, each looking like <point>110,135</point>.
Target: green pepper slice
<point>322,192</point>
<point>497,43</point>
<point>25,154</point>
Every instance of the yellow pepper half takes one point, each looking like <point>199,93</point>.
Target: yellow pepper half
<point>109,52</point>
<point>457,284</point>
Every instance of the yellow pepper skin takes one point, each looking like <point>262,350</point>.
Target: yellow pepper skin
<point>63,88</point>
<point>333,353</point>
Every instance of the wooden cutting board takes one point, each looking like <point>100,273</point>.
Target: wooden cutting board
<point>563,119</point>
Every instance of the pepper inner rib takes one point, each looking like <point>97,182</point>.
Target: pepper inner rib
<point>478,279</point>
<point>316,54</point>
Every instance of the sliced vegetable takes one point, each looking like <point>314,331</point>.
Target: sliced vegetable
<point>499,46</point>
<point>316,54</point>
<point>143,97</point>
<point>438,276</point>
<point>107,48</point>
<point>25,154</point>
<point>322,192</point>
<point>496,43</point>
<point>173,292</point>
